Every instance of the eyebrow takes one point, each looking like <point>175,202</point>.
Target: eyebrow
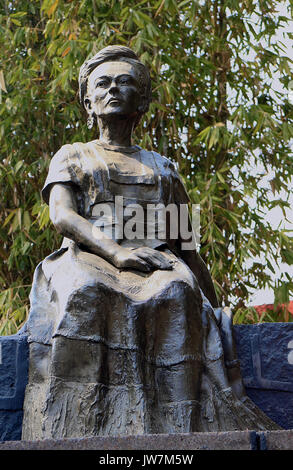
<point>108,77</point>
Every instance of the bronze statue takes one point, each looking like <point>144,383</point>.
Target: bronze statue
<point>123,335</point>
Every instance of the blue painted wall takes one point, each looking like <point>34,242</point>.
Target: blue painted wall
<point>14,355</point>
<point>266,357</point>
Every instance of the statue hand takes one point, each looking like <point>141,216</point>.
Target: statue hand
<point>144,259</point>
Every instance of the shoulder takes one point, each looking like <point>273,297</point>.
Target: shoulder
<point>61,157</point>
<point>171,168</point>
<point>68,151</point>
<point>71,156</point>
<point>63,168</point>
<point>163,162</point>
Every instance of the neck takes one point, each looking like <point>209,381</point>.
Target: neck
<point>116,130</point>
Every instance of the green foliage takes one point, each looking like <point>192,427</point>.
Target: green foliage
<point>249,316</point>
<point>213,112</point>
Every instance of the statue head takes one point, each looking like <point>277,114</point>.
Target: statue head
<point>108,59</point>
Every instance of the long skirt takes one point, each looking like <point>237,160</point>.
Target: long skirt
<point>121,352</point>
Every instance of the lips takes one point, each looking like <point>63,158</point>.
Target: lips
<point>114,100</point>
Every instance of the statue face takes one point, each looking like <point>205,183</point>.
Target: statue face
<point>113,89</point>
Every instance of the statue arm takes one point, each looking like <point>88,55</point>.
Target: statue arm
<point>199,269</point>
<point>64,215</point>
<point>67,221</point>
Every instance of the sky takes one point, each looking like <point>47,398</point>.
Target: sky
<point>275,216</point>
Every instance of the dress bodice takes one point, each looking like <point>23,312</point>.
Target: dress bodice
<point>107,181</point>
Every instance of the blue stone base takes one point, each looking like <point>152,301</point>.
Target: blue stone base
<point>265,354</point>
<point>276,404</point>
<point>14,359</point>
<point>10,425</point>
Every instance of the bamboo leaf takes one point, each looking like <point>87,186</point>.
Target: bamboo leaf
<point>2,81</point>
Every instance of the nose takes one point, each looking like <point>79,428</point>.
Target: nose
<point>113,88</point>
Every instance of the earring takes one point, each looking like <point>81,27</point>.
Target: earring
<point>90,122</point>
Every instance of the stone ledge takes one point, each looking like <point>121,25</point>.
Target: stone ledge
<point>195,441</point>
<point>230,440</point>
<point>278,440</point>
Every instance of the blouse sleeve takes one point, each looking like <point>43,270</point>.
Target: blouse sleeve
<point>180,193</point>
<point>60,171</point>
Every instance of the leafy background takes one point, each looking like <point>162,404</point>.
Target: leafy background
<point>213,112</point>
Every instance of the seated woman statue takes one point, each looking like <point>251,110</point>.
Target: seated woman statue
<point>122,331</point>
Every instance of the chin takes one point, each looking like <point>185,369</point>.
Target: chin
<point>118,112</point>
